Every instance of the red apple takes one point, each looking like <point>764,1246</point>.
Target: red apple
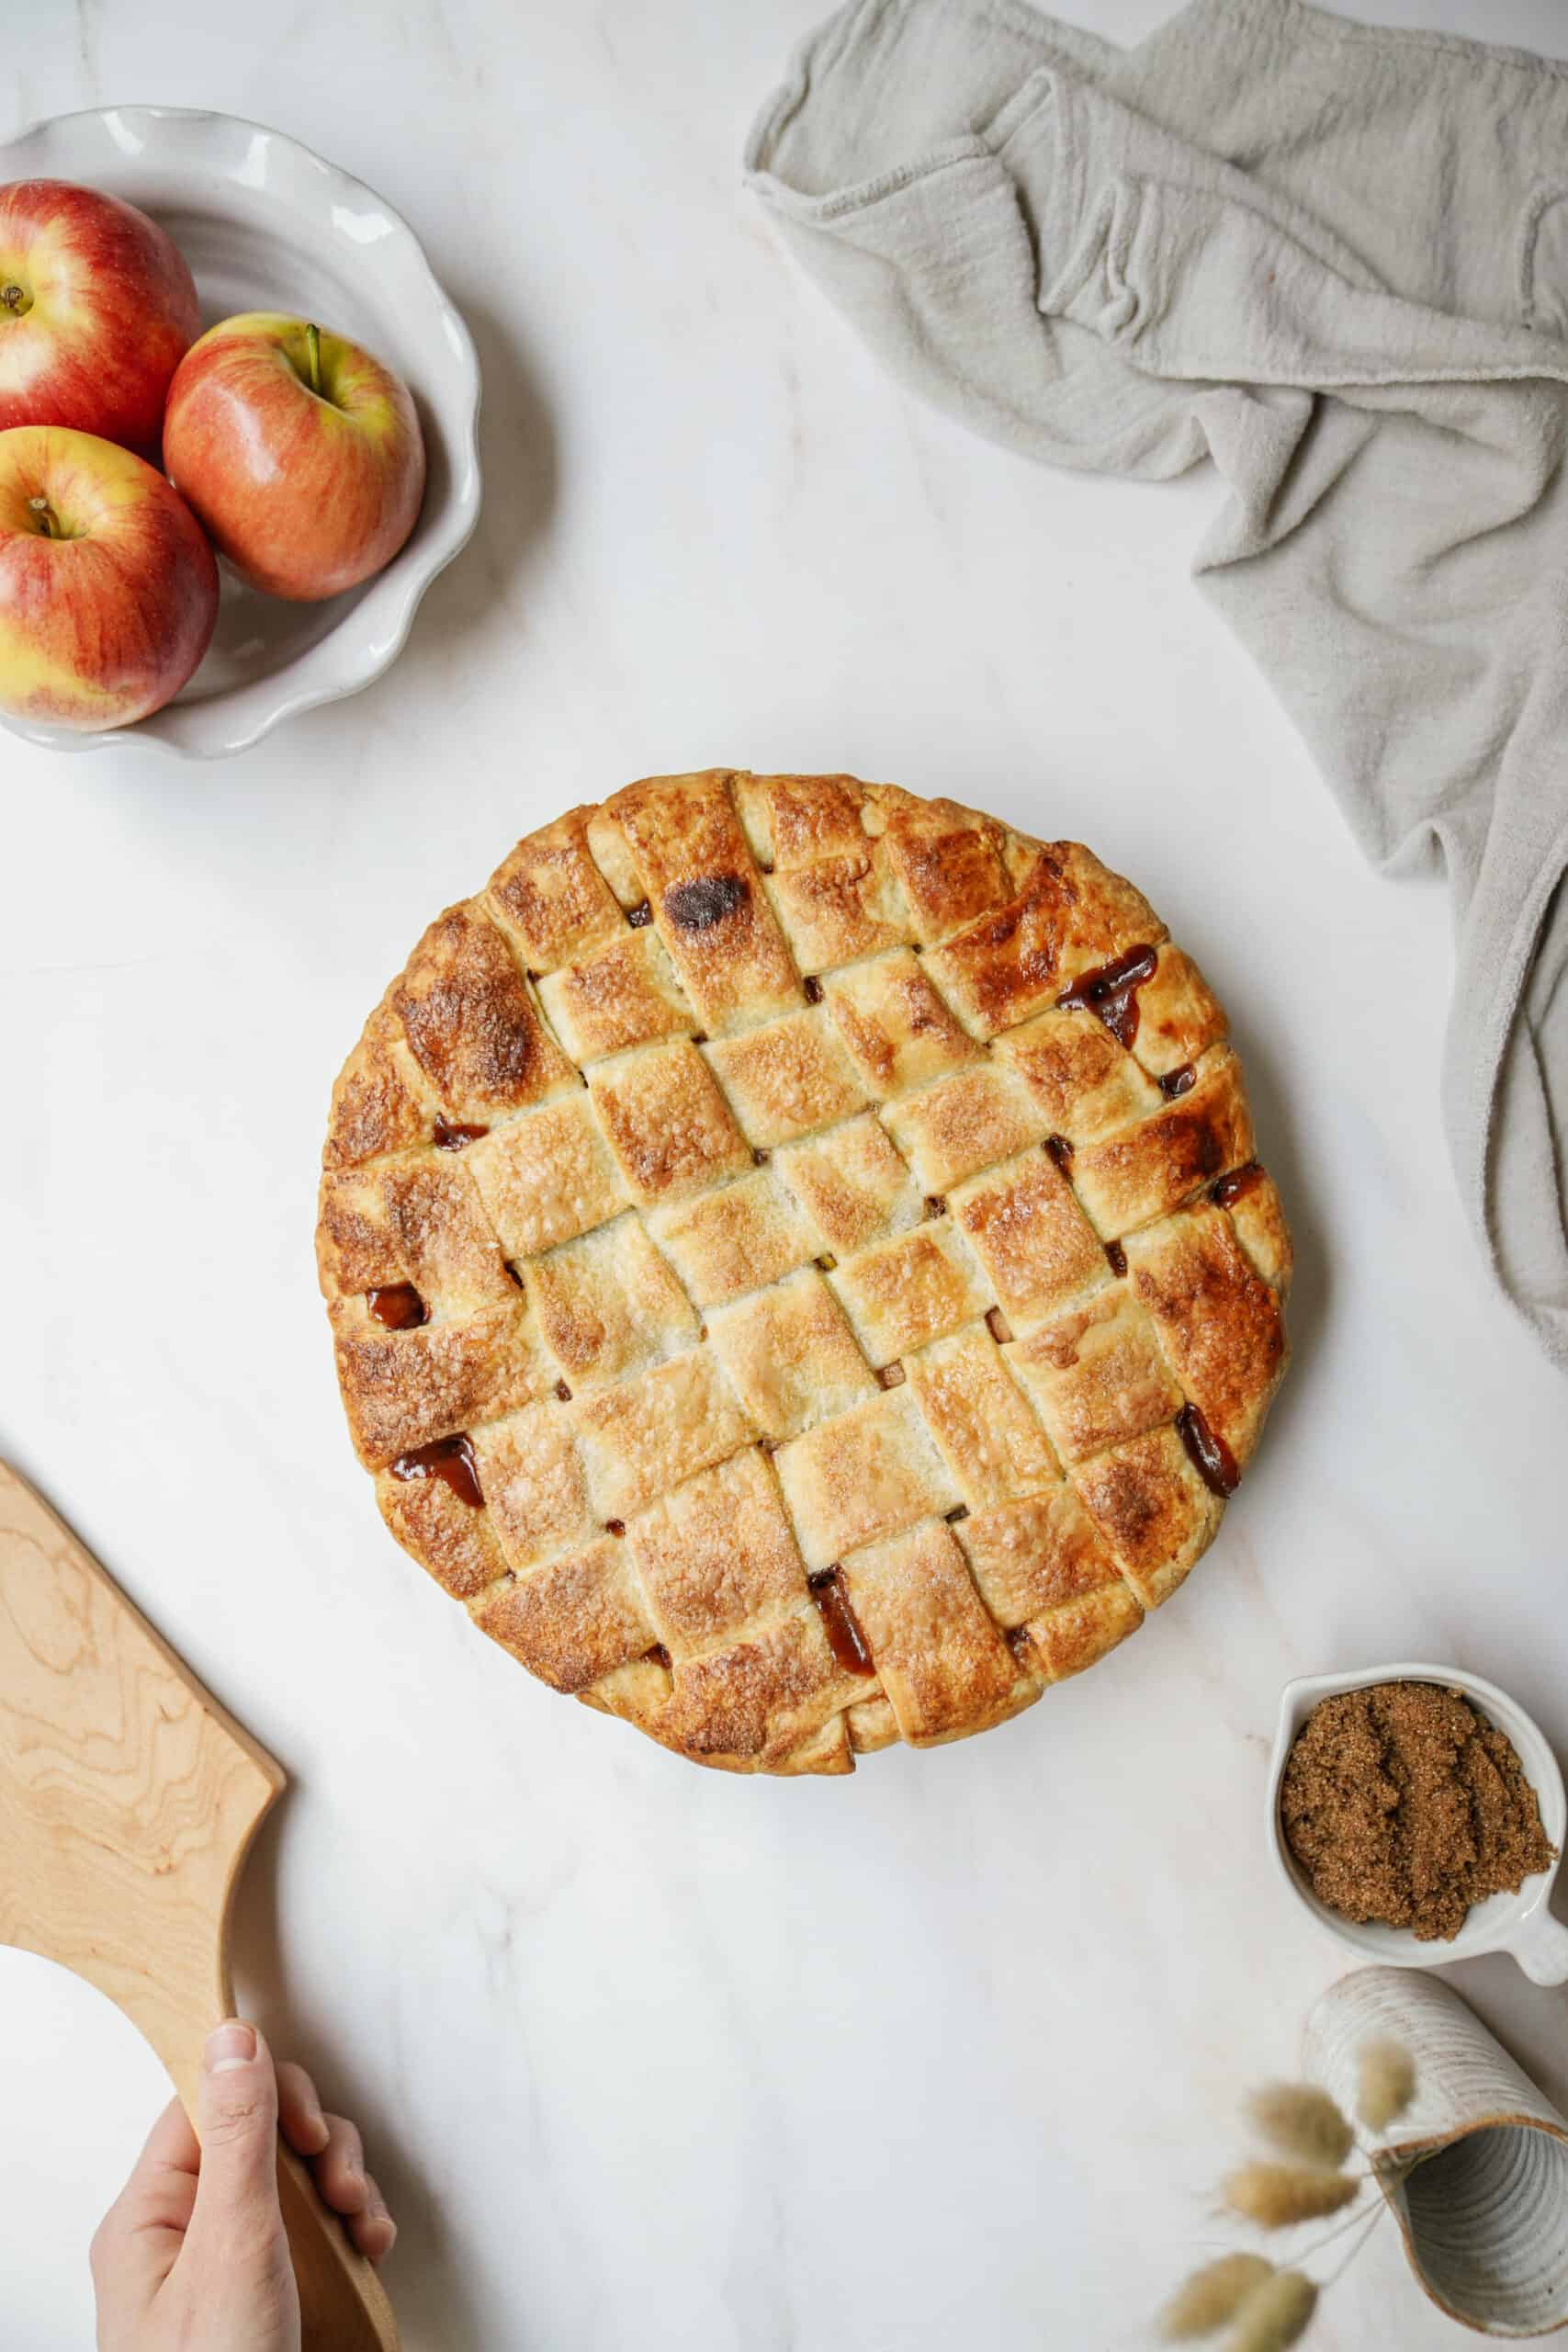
<point>300,452</point>
<point>96,307</point>
<point>107,589</point>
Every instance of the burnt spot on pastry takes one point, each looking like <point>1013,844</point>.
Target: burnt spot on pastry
<point>1057,1149</point>
<point>1237,1186</point>
<point>1111,992</point>
<point>563,1392</point>
<point>614,1527</point>
<point>813,989</point>
<point>640,915</point>
<point>697,906</point>
<point>935,1204</point>
<point>451,1134</point>
<point>1177,1081</point>
<point>1208,1452</point>
<point>450,1459</point>
<point>513,1276</point>
<point>398,1305</point>
<point>1116,1258</point>
<point>998,1326</point>
<point>845,1636</point>
<point>659,1656</point>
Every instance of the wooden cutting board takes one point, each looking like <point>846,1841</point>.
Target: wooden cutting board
<point>128,1802</point>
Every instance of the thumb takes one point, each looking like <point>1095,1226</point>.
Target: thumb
<point>236,2189</point>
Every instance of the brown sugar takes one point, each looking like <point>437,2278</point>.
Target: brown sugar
<point>1402,1805</point>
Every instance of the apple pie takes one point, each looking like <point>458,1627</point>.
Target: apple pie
<point>800,1272</point>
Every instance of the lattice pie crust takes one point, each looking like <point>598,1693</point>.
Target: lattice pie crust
<point>800,1271</point>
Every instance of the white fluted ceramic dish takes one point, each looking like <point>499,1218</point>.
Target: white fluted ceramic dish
<point>1476,2170</point>
<point>1522,1924</point>
<point>266,224</point>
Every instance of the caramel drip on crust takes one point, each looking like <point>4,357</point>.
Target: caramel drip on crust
<point>1112,992</point>
<point>398,1306</point>
<point>1237,1186</point>
<point>451,1134</point>
<point>839,1622</point>
<point>450,1459</point>
<point>1208,1452</point>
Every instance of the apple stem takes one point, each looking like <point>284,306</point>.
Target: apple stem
<point>15,299</point>
<point>46,525</point>
<point>313,352</point>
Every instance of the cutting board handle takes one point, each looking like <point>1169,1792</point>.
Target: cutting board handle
<point>128,1800</point>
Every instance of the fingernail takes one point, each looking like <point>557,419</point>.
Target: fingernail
<point>229,2046</point>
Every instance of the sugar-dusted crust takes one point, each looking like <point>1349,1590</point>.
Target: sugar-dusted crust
<point>798,1266</point>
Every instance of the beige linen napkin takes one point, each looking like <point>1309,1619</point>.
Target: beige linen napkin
<point>1334,260</point>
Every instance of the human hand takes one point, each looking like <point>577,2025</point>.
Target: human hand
<point>193,2250</point>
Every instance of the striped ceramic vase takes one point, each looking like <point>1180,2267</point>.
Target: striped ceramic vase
<point>1476,2170</point>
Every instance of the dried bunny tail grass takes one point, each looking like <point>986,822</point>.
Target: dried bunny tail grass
<point>1303,2122</point>
<point>1275,2196</point>
<point>1276,2314</point>
<point>1202,2303</point>
<point>1387,2084</point>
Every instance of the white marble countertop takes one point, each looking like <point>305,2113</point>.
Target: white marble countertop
<point>947,2053</point>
